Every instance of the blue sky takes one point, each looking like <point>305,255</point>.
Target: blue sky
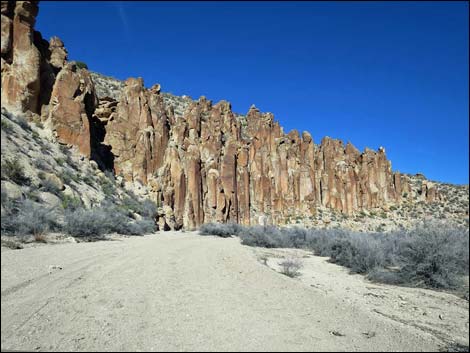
<point>392,74</point>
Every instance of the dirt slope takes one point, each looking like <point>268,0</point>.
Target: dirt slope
<point>180,291</point>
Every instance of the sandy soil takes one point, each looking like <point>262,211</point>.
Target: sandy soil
<point>184,292</point>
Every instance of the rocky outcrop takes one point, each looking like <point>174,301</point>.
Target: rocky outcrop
<point>72,104</point>
<point>218,168</point>
<point>21,59</point>
<point>138,133</point>
<point>200,161</point>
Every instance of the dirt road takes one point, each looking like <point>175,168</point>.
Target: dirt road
<point>184,292</point>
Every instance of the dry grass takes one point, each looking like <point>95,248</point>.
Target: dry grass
<point>40,238</point>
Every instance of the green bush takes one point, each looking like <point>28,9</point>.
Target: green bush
<point>13,170</point>
<point>60,161</point>
<point>81,65</point>
<point>71,203</point>
<point>6,126</point>
<point>146,208</point>
<point>47,185</point>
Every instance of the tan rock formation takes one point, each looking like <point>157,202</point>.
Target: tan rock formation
<point>138,132</point>
<point>73,101</point>
<point>201,161</point>
<point>20,57</point>
<point>58,56</point>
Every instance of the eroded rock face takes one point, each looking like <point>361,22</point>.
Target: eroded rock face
<point>58,53</point>
<point>138,133</point>
<point>73,101</point>
<point>200,161</point>
<point>21,59</point>
<point>213,169</point>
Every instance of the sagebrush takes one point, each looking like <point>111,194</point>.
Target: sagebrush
<point>432,255</point>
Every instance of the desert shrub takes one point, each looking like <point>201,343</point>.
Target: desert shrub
<point>14,245</point>
<point>223,230</point>
<point>360,252</point>
<point>13,170</point>
<point>71,203</point>
<point>455,347</point>
<point>146,208</point>
<point>104,220</point>
<point>434,255</point>
<point>108,188</point>
<point>60,161</point>
<point>29,218</point>
<point>68,177</point>
<point>141,227</point>
<point>87,179</point>
<point>5,200</point>
<point>64,149</point>
<point>86,223</point>
<point>6,126</point>
<point>42,164</point>
<point>294,237</point>
<point>35,135</point>
<point>385,275</point>
<point>23,122</point>
<point>45,149</point>
<point>33,195</point>
<point>110,175</point>
<point>291,267</point>
<point>267,237</point>
<point>48,185</point>
<point>81,65</point>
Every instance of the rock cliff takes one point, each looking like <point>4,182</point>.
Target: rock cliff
<point>201,161</point>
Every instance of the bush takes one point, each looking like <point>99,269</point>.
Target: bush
<point>104,220</point>
<point>431,255</point>
<point>71,203</point>
<point>86,223</point>
<point>60,161</point>
<point>6,126</point>
<point>13,170</point>
<point>81,65</point>
<point>35,135</point>
<point>357,251</point>
<point>48,185</point>
<point>21,121</point>
<point>29,218</point>
<point>221,230</point>
<point>267,237</point>
<point>291,267</point>
<point>68,177</point>
<point>108,188</point>
<point>42,164</point>
<point>141,227</point>
<point>434,255</point>
<point>146,208</point>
